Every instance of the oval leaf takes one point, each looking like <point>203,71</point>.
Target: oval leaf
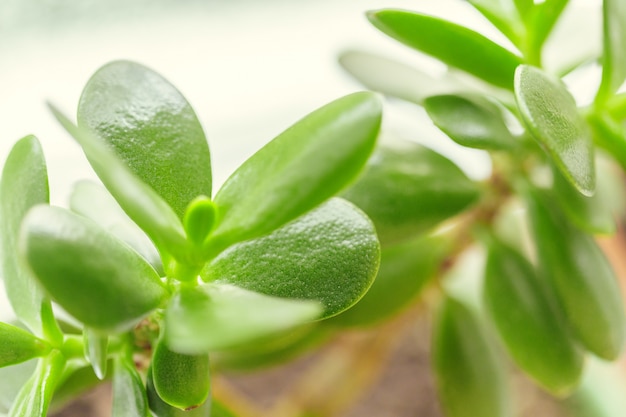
<point>152,129</point>
<point>407,189</point>
<point>129,393</point>
<point>470,381</point>
<point>17,345</point>
<point>523,310</point>
<point>298,170</point>
<point>614,37</point>
<point>581,276</point>
<point>452,44</point>
<point>92,275</point>
<point>550,114</point>
<point>470,120</point>
<point>24,183</point>
<point>219,317</point>
<point>162,409</point>
<point>331,255</point>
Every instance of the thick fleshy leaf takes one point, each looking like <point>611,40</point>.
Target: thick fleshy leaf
<point>407,189</point>
<point>528,321</point>
<point>24,184</point>
<point>140,202</point>
<point>404,271</point>
<point>331,255</point>
<point>470,380</point>
<point>96,349</point>
<point>550,114</point>
<point>162,409</point>
<point>470,120</point>
<point>453,44</point>
<point>298,170</point>
<point>182,381</point>
<point>151,127</point>
<point>219,317</point>
<point>581,276</point>
<point>94,202</point>
<point>35,396</point>
<point>17,345</point>
<point>199,219</point>
<point>129,393</point>
<point>614,57</point>
<point>96,278</point>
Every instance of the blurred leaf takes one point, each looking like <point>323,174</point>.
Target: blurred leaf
<point>407,189</point>
<point>140,202</point>
<point>330,255</point>
<point>614,56</point>
<point>161,409</point>
<point>96,278</point>
<point>182,381</point>
<point>524,7</point>
<point>452,44</point>
<point>24,184</point>
<point>550,114</point>
<point>541,21</point>
<point>220,410</point>
<point>298,170</point>
<point>610,135</point>
<point>78,378</point>
<point>219,317</point>
<point>12,378</point>
<point>151,127</point>
<point>581,276</point>
<point>470,380</point>
<point>523,309</point>
<point>34,397</point>
<point>17,345</point>
<point>96,346</point>
<point>129,393</point>
<point>404,271</point>
<point>503,16</point>
<point>199,219</point>
<point>94,202</point>
<point>470,120</point>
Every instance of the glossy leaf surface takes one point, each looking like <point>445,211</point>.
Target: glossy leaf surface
<point>523,309</point>
<point>34,398</point>
<point>219,317</point>
<point>96,349</point>
<point>330,255</point>
<point>17,345</point>
<point>129,393</point>
<point>470,121</point>
<point>550,114</point>
<point>404,271</point>
<point>140,202</point>
<point>151,127</point>
<point>199,219</point>
<point>614,57</point>
<point>469,378</point>
<point>24,184</point>
<point>162,409</point>
<point>407,189</point>
<point>452,44</point>
<point>581,276</point>
<point>96,278</point>
<point>298,170</point>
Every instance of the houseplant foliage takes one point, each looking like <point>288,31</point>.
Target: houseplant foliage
<point>550,298</point>
<point>156,271</point>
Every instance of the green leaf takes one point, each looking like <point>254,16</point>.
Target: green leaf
<point>152,129</point>
<point>541,20</point>
<point>219,317</point>
<point>550,114</point>
<point>96,278</point>
<point>220,410</point>
<point>452,44</point>
<point>12,379</point>
<point>182,381</point>
<point>17,345</point>
<point>408,189</point>
<point>502,16</point>
<point>471,121</point>
<point>524,7</point>
<point>129,393</point>
<point>581,276</point>
<point>162,409</point>
<point>94,202</point>
<point>34,397</point>
<point>96,349</point>
<point>470,380</point>
<point>298,170</point>
<point>331,255</point>
<point>614,56</point>
<point>405,269</point>
<point>523,309</point>
<point>140,202</point>
<point>199,219</point>
<point>24,184</point>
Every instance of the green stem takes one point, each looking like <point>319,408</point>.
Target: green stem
<point>616,106</point>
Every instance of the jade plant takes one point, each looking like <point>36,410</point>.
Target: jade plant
<point>143,277</point>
